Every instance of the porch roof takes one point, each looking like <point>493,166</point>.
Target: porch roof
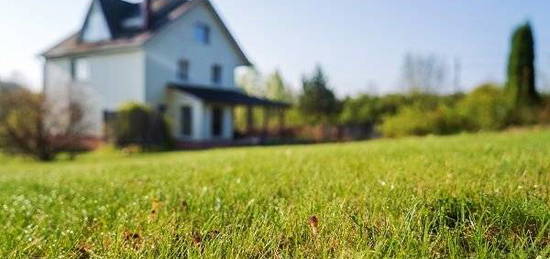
<point>225,96</point>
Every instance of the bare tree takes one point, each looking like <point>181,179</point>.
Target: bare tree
<point>423,73</point>
<point>40,127</point>
<point>250,80</point>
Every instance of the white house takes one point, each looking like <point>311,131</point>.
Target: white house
<point>173,55</point>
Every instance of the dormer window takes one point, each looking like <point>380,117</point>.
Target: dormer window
<point>202,33</point>
<point>183,70</point>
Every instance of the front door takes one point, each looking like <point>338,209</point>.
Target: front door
<point>217,122</point>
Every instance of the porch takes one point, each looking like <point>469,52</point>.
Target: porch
<point>205,117</point>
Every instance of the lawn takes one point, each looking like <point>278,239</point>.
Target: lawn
<point>483,195</point>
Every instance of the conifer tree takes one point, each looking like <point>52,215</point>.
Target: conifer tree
<point>521,68</point>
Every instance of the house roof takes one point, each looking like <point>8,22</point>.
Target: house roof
<point>117,11</point>
<point>225,96</point>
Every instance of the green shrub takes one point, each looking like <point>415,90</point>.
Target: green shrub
<point>485,108</point>
<point>422,114</point>
<point>415,121</point>
<point>137,125</point>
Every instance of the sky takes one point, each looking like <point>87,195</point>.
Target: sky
<point>360,44</point>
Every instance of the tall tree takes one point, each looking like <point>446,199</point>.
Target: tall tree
<point>276,89</point>
<point>521,67</point>
<point>317,102</point>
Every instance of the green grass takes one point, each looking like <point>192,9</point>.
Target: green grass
<point>484,195</point>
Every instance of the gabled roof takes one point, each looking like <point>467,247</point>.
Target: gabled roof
<point>117,11</point>
<point>225,96</point>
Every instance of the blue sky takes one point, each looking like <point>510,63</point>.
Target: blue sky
<point>360,43</point>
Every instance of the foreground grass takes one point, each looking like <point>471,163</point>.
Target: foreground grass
<point>481,195</point>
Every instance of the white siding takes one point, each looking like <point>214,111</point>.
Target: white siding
<point>118,78</point>
<point>227,125</point>
<point>175,101</point>
<point>57,77</point>
<point>114,79</point>
<point>177,41</point>
<point>96,28</point>
<point>201,116</point>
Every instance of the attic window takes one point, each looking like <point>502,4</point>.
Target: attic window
<point>202,33</point>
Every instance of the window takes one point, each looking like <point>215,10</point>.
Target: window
<point>186,121</point>
<point>183,70</point>
<point>202,33</point>
<point>217,121</point>
<point>80,70</point>
<point>217,74</point>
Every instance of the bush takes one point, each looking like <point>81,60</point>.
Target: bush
<point>136,125</point>
<point>485,108</point>
<point>413,120</point>
<point>361,110</point>
<point>41,128</point>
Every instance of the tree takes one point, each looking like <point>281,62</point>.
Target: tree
<point>424,74</point>
<point>317,103</point>
<point>276,88</point>
<point>250,80</point>
<point>521,85</point>
<point>35,126</point>
<point>360,110</point>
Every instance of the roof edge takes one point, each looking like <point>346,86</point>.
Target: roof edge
<point>258,100</point>
<point>228,33</point>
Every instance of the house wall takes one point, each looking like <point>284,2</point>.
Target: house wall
<point>227,132</point>
<point>201,116</point>
<point>175,101</point>
<point>142,74</point>
<point>177,41</point>
<point>114,78</point>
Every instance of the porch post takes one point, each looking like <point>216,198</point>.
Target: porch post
<point>282,123</point>
<point>265,124</point>
<point>249,119</point>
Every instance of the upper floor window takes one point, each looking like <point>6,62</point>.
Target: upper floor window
<point>183,70</point>
<point>202,33</point>
<point>80,70</point>
<point>217,73</point>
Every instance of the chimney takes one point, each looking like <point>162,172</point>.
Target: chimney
<point>147,14</point>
